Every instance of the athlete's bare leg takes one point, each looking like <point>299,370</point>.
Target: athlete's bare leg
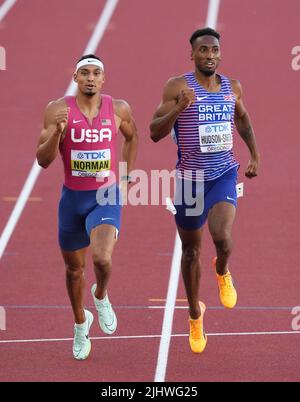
<point>191,268</point>
<point>220,221</point>
<point>103,240</point>
<point>75,281</point>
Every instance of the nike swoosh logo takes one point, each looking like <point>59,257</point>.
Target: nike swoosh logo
<point>76,121</point>
<point>200,99</point>
<point>108,326</point>
<point>229,198</point>
<point>105,219</point>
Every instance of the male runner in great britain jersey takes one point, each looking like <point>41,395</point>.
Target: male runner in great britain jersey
<point>84,129</point>
<point>201,107</point>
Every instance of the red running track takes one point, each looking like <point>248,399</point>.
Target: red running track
<point>145,44</point>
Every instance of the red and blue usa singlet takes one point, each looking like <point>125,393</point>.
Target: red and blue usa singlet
<point>89,150</point>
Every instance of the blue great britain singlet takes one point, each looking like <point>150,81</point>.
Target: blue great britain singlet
<point>204,132</point>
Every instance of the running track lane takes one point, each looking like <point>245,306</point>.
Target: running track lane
<point>264,262</point>
<point>39,66</point>
<point>143,256</point>
<point>148,248</point>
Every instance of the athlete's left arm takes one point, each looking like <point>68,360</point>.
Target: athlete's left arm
<point>245,130</point>
<point>127,126</point>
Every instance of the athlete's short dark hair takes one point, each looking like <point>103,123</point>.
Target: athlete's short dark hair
<point>202,32</point>
<point>89,56</point>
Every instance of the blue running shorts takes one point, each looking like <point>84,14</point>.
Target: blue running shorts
<point>81,211</point>
<point>197,198</point>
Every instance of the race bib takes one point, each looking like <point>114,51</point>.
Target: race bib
<point>215,137</point>
<point>91,163</point>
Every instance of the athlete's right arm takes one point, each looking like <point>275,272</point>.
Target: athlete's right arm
<point>55,121</point>
<point>176,98</point>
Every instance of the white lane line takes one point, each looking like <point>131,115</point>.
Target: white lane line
<point>97,35</point>
<point>212,13</point>
<point>107,338</point>
<point>169,313</point>
<point>6,6</point>
<point>162,360</point>
<point>36,169</point>
<point>20,204</point>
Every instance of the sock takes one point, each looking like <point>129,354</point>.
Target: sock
<point>81,326</point>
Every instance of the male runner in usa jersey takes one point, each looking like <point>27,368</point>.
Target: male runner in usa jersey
<point>83,128</point>
<point>201,108</point>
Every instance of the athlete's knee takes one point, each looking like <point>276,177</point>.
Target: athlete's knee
<point>102,261</point>
<point>190,253</point>
<point>223,241</point>
<point>74,271</point>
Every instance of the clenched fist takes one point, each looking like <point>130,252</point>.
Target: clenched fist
<point>61,119</point>
<point>252,168</point>
<point>185,98</point>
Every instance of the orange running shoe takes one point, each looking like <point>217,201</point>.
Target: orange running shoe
<point>227,292</point>
<point>197,336</point>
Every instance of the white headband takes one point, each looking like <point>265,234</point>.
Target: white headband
<point>94,62</point>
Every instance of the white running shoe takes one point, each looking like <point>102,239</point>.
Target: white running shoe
<point>106,315</point>
<point>82,343</point>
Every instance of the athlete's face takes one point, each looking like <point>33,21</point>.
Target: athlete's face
<point>89,79</point>
<point>206,54</point>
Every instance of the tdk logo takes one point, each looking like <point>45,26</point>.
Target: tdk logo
<point>91,135</point>
<point>92,155</point>
<point>216,128</point>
